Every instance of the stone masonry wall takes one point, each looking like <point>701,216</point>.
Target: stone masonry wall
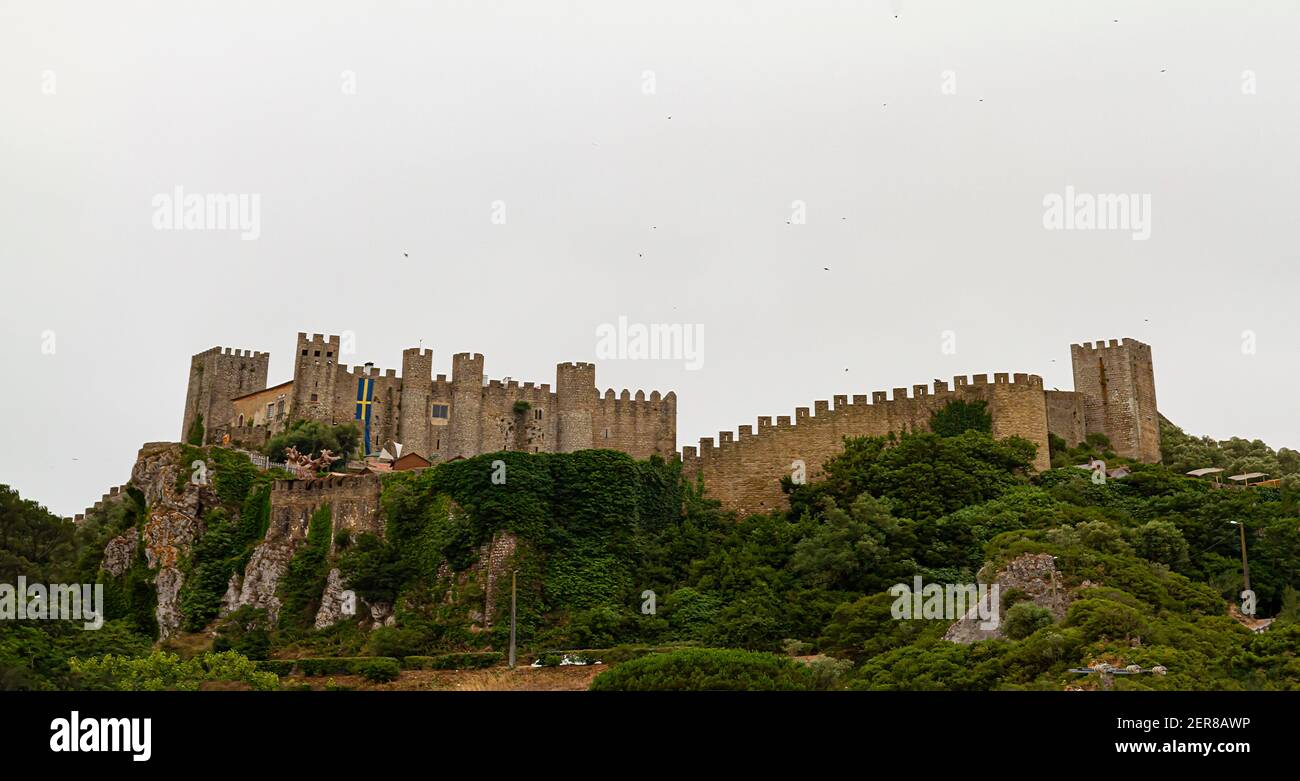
<point>1065,416</point>
<point>1117,383</point>
<point>744,471</point>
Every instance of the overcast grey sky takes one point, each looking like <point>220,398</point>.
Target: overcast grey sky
<point>369,131</point>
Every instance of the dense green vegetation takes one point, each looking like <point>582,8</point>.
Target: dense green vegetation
<point>707,668</point>
<point>610,551</point>
<point>310,437</point>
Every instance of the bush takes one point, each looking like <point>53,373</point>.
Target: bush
<point>338,665</point>
<point>246,632</point>
<point>463,661</point>
<point>380,669</point>
<point>1025,618</point>
<point>391,641</point>
<point>161,671</point>
<point>311,436</point>
<point>708,669</point>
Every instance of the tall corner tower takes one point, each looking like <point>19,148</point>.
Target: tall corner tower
<point>1117,383</point>
<point>575,398</point>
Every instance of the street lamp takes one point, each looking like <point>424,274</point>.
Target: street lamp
<point>513,575</point>
<point>1245,567</point>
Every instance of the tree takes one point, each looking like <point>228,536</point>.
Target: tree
<point>1025,618</point>
<point>847,549</point>
<point>312,436</point>
<point>1162,542</point>
<point>925,475</point>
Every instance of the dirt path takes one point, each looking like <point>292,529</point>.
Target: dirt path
<point>571,678</point>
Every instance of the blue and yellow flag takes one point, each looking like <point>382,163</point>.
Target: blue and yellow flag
<point>365,390</point>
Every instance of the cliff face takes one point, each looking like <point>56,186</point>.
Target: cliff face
<point>176,495</point>
<point>178,485</point>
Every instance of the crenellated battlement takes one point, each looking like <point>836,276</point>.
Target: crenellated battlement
<point>330,484</point>
<point>1103,345</point>
<point>441,416</point>
<point>744,468</point>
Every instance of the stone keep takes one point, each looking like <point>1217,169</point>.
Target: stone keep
<point>438,418</point>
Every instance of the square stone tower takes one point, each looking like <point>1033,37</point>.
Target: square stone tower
<point>1116,381</point>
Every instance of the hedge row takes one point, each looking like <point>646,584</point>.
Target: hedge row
<point>615,655</point>
<point>462,661</point>
<point>336,665</point>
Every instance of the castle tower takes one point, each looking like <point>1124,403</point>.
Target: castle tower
<point>575,397</point>
<point>1117,384</point>
<point>217,376</point>
<point>466,405</point>
<point>315,371</point>
<point>417,390</point>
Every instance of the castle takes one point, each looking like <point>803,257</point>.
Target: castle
<point>1114,394</point>
<point>441,419</point>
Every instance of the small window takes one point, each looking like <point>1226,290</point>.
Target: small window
<point>537,414</point>
<point>606,433</point>
<point>439,411</point>
<point>437,443</point>
<point>270,411</point>
<point>313,397</point>
<point>329,353</point>
<point>304,352</point>
<point>279,409</point>
<point>241,420</point>
<point>316,354</point>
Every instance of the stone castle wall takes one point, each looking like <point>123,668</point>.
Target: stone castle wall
<point>482,415</point>
<point>353,500</point>
<point>744,471</point>
<point>1065,416</point>
<point>216,376</point>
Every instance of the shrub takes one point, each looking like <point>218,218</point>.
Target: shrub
<point>338,665</point>
<point>391,641</point>
<point>161,671</point>
<point>700,669</point>
<point>462,661</point>
<point>380,669</point>
<point>311,436</point>
<point>244,631</point>
<point>1025,618</point>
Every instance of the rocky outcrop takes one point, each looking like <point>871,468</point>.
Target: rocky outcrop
<point>333,601</point>
<point>120,552</point>
<point>1035,575</point>
<point>175,495</point>
<point>261,579</point>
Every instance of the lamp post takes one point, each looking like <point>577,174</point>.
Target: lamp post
<point>513,574</point>
<point>1245,566</point>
